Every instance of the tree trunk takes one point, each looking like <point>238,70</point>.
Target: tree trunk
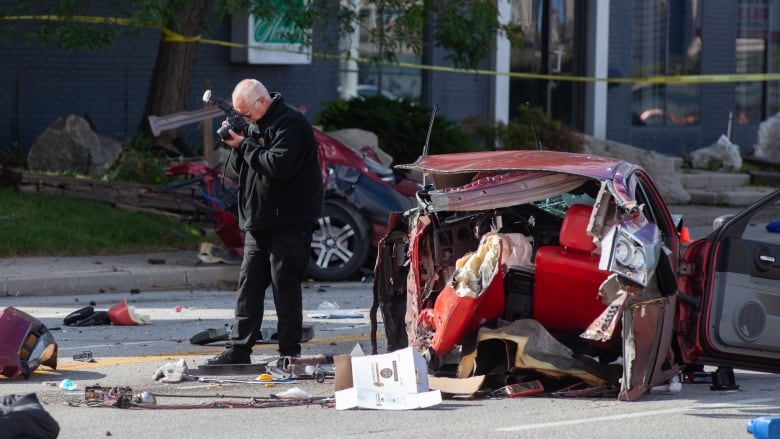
<point>172,75</point>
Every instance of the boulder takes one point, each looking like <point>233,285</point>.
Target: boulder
<point>721,156</point>
<point>768,146</point>
<point>70,145</point>
<point>664,169</point>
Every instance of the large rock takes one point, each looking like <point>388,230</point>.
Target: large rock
<point>768,146</point>
<point>357,139</point>
<point>664,169</point>
<point>70,144</point>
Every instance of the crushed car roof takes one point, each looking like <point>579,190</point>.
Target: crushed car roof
<point>521,160</point>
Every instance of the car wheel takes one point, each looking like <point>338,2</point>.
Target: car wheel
<point>340,243</point>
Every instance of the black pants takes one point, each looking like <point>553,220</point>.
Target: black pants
<point>276,258</point>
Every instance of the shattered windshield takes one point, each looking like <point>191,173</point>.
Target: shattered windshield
<point>557,205</point>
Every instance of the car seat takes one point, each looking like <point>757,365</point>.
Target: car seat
<point>568,278</point>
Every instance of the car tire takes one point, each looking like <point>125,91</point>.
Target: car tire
<point>340,243</point>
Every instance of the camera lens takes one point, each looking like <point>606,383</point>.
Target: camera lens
<point>224,132</point>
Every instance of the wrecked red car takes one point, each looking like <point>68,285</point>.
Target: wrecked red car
<point>360,193</point>
<point>569,268</point>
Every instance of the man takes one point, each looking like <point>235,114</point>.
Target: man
<point>280,196</point>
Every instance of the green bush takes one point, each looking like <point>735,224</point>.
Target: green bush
<point>140,162</point>
<point>519,133</point>
<point>400,125</point>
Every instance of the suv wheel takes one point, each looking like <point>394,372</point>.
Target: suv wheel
<point>340,243</point>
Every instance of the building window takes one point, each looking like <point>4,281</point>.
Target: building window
<point>667,42</point>
<point>758,51</point>
<point>369,79</point>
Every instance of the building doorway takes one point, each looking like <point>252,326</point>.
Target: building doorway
<point>554,37</point>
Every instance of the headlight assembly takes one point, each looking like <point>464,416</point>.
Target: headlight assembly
<point>629,258</point>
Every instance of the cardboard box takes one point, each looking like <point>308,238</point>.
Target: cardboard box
<point>394,381</point>
<point>369,399</point>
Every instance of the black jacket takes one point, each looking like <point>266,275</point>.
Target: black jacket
<point>279,177</point>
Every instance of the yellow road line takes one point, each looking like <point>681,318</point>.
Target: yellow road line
<point>171,356</point>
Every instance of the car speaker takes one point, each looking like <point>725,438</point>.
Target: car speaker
<point>750,320</point>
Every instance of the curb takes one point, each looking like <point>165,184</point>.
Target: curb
<point>60,284</point>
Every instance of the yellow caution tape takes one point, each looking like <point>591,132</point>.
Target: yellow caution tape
<point>174,37</point>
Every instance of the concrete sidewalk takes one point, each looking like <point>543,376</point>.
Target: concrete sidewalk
<point>47,276</point>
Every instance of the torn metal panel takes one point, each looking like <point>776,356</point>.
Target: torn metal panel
<point>470,163</point>
<point>502,190</point>
<point>648,358</point>
<point>605,212</point>
<point>603,328</point>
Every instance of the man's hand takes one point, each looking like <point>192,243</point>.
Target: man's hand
<point>235,139</point>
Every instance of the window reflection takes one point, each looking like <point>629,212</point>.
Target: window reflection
<point>666,42</point>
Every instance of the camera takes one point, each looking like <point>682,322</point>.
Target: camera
<point>236,123</point>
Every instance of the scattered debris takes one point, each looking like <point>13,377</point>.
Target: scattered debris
<point>330,310</point>
<point>27,344</point>
<point>23,416</point>
<point>214,254</point>
<point>85,356</point>
<point>123,315</point>
<point>267,335</point>
<point>87,316</point>
<point>254,368</point>
<point>527,388</point>
<point>96,396</point>
<point>68,384</point>
<point>260,379</point>
<point>295,393</point>
<point>124,397</point>
<point>173,372</point>
<point>120,314</point>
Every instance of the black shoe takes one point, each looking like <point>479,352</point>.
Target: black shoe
<point>231,356</point>
<point>290,354</point>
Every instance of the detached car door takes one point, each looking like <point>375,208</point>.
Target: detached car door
<point>729,307</point>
